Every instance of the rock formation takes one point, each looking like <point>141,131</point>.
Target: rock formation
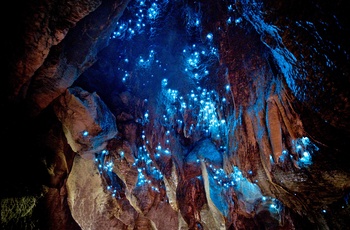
<point>176,115</point>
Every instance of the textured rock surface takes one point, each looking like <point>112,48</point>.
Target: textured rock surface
<point>196,115</point>
<point>86,121</point>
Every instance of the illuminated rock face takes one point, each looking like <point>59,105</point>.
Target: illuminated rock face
<point>173,115</point>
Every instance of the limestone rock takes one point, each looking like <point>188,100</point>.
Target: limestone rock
<point>86,121</point>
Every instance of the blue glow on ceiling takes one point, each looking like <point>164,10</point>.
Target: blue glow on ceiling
<point>170,68</point>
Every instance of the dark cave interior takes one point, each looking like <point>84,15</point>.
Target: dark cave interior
<point>157,114</point>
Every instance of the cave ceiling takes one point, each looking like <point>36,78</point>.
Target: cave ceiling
<point>156,114</point>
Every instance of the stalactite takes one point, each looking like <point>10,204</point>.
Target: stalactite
<point>274,129</point>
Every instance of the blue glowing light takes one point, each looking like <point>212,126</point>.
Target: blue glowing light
<point>210,36</point>
<point>304,149</point>
<point>164,82</point>
<point>238,20</point>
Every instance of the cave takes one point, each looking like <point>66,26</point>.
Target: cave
<point>184,114</point>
